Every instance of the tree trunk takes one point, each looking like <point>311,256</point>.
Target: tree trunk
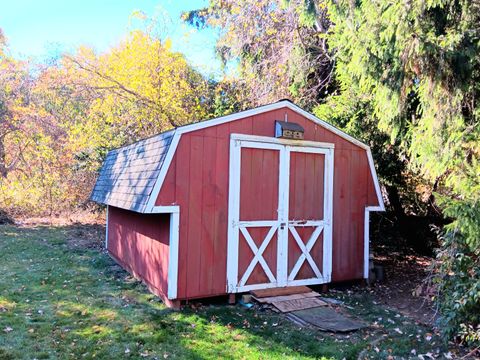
<point>395,203</point>
<point>3,155</point>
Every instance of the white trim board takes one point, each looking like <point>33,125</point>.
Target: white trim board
<point>106,231</point>
<point>244,114</point>
<point>272,140</point>
<point>366,239</point>
<point>172,276</point>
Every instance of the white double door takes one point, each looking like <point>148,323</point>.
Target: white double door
<point>280,213</point>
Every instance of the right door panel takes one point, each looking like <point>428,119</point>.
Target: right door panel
<point>307,206</point>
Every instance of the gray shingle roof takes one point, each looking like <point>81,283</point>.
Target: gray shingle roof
<point>128,174</point>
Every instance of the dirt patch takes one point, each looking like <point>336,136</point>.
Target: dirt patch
<point>75,218</point>
<point>86,236</point>
<point>403,287</point>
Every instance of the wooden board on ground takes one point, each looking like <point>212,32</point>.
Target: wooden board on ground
<point>328,319</point>
<point>287,297</point>
<point>298,304</point>
<point>295,319</point>
<point>280,291</point>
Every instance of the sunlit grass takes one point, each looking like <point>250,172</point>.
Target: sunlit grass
<point>63,303</point>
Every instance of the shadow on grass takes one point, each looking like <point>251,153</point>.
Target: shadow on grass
<point>73,301</point>
<point>68,299</point>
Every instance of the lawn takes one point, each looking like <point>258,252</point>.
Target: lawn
<point>62,299</point>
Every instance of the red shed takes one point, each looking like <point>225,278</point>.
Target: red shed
<point>268,197</point>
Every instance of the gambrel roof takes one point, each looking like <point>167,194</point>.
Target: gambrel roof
<point>128,174</point>
<point>131,176</point>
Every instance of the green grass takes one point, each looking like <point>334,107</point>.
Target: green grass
<point>59,302</point>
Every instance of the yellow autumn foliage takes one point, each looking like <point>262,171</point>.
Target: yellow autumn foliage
<point>62,121</point>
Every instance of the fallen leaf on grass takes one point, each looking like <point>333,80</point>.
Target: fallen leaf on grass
<point>239,337</point>
<point>7,329</point>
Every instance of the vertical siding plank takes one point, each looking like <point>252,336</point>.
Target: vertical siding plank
<point>195,216</point>
<point>243,126</point>
<point>320,184</point>
<point>341,208</point>
<point>223,131</point>
<point>167,195</point>
<point>263,126</point>
<point>221,216</point>
<point>208,214</point>
<point>299,185</point>
<point>310,187</point>
<point>358,201</point>
<point>245,183</point>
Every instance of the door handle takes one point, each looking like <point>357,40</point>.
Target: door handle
<point>282,225</point>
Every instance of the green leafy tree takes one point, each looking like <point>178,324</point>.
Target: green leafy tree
<point>280,48</point>
<point>413,69</point>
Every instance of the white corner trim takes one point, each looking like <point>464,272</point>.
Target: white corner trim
<point>106,231</point>
<point>244,114</point>
<point>366,243</point>
<point>373,171</point>
<point>233,213</point>
<point>366,238</point>
<point>328,214</point>
<point>172,277</point>
<point>163,173</point>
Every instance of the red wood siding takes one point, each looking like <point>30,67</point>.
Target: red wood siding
<point>258,201</point>
<point>306,201</point>
<point>198,181</point>
<point>139,242</point>
<point>259,184</point>
<point>306,186</point>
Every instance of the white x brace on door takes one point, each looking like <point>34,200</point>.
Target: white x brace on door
<point>280,213</point>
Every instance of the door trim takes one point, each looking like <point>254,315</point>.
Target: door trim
<point>272,140</point>
<point>285,147</point>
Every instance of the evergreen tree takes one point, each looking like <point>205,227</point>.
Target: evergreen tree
<point>413,69</point>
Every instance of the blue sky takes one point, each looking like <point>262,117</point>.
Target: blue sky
<point>42,28</point>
